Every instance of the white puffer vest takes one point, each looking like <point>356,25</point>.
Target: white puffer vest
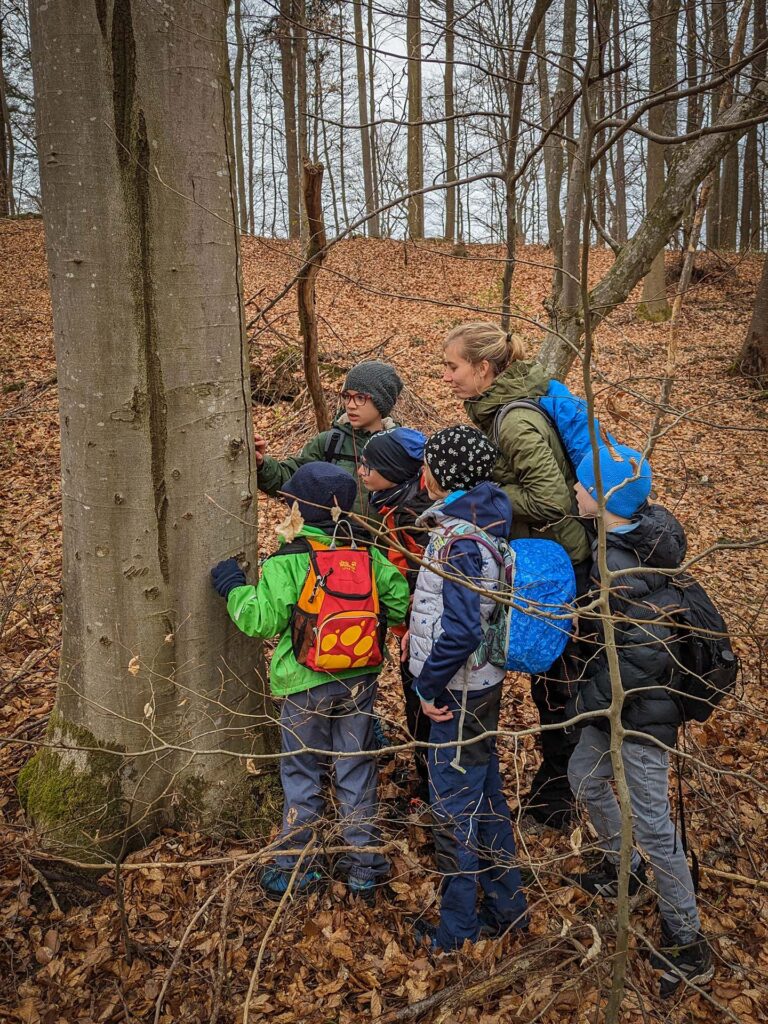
<point>427,612</point>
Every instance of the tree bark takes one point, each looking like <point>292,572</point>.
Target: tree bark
<point>719,56</point>
<point>450,123</point>
<point>365,130</point>
<point>540,9</point>
<point>238,106</point>
<point>751,200</point>
<point>620,227</point>
<point>415,117</point>
<point>155,418</point>
<point>249,112</point>
<point>562,101</point>
<point>342,115</point>
<point>662,119</point>
<point>691,166</point>
<point>288,77</point>
<point>314,254</point>
<point>551,147</point>
<point>372,117</point>
<point>753,358</point>
<point>7,204</point>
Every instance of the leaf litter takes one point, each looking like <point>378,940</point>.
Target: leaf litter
<point>63,956</point>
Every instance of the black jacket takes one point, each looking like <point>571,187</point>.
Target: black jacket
<point>642,605</point>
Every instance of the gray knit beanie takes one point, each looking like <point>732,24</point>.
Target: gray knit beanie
<point>379,380</point>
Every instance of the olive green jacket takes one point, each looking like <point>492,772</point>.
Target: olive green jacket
<point>347,447</point>
<point>532,469</point>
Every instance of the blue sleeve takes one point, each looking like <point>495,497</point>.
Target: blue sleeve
<point>460,623</point>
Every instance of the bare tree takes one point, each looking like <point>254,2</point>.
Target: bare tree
<point>7,203</point>
<point>365,128</point>
<point>450,122</point>
<point>288,73</point>
<point>237,101</point>
<point>753,358</point>
<point>157,450</point>
<point>662,119</point>
<point>415,117</point>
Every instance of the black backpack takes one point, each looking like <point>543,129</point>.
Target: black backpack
<point>708,666</point>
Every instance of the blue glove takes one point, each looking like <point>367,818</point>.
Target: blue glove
<point>226,576</point>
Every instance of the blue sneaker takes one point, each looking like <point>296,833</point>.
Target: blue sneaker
<point>365,888</point>
<point>274,882</point>
<point>380,738</point>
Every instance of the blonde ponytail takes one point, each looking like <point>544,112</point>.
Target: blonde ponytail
<point>485,341</point>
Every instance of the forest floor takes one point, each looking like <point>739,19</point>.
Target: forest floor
<point>63,957</point>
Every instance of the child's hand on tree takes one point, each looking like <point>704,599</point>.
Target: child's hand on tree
<point>260,445</point>
<point>226,576</point>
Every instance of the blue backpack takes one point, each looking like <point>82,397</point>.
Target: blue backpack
<point>568,416</point>
<point>536,576</point>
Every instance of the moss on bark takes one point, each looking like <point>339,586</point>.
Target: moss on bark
<point>70,790</point>
<point>243,806</point>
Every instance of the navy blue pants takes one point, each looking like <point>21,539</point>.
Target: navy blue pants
<point>473,832</point>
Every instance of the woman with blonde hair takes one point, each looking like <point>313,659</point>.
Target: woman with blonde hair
<point>486,368</point>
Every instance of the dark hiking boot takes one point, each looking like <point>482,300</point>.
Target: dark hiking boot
<point>681,963</point>
<point>492,928</point>
<point>603,880</point>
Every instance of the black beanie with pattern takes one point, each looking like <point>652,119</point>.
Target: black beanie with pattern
<point>460,457</point>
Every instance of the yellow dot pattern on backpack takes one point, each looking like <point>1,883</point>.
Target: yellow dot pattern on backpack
<point>350,636</point>
<point>328,642</point>
<point>363,646</point>
<point>336,662</point>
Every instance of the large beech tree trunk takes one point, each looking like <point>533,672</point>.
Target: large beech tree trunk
<point>142,243</point>
<point>692,164</point>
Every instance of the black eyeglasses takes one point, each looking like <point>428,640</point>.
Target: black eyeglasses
<point>354,398</point>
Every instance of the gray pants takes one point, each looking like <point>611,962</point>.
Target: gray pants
<point>647,771</point>
<point>336,717</point>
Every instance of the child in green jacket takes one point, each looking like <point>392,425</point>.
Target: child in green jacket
<point>370,391</point>
<point>328,711</point>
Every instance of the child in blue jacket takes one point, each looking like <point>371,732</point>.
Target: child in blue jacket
<point>460,692</point>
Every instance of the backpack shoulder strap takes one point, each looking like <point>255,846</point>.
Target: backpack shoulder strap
<point>334,443</point>
<point>519,403</point>
<point>483,540</point>
<point>298,546</point>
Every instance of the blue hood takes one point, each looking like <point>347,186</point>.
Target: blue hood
<point>486,506</point>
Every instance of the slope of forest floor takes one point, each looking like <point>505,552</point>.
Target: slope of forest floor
<point>63,957</point>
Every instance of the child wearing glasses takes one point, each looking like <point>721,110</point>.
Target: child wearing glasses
<point>370,391</point>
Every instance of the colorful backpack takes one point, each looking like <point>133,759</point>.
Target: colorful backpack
<point>337,623</point>
<point>567,414</point>
<point>528,631</point>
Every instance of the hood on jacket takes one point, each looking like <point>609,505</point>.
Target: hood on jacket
<point>658,539</point>
<point>486,506</point>
<point>521,379</point>
<point>341,422</point>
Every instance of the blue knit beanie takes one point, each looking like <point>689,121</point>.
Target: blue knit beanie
<point>396,454</point>
<point>324,485</point>
<point>623,468</point>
